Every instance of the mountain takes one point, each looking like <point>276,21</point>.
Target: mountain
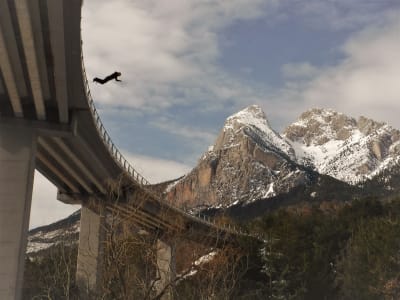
<point>323,156</point>
<point>345,148</point>
<point>250,161</point>
<point>65,231</point>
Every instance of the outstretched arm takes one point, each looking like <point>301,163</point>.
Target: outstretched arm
<point>116,75</point>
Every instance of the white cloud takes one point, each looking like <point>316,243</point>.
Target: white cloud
<point>367,80</point>
<point>155,169</point>
<point>168,51</point>
<point>163,49</point>
<point>45,207</point>
<point>340,14</point>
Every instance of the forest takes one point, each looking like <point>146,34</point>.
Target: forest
<point>322,252</point>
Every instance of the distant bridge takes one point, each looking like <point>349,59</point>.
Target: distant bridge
<point>48,122</point>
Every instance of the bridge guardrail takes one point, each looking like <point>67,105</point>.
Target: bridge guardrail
<point>129,169</point>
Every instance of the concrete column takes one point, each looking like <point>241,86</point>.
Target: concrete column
<point>90,252</point>
<point>17,165</point>
<point>166,270</point>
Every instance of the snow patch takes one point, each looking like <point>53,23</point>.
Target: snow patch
<point>270,193</point>
<point>253,117</point>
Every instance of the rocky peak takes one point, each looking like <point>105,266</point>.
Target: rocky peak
<point>248,161</point>
<point>252,115</point>
<point>343,147</point>
<point>368,126</point>
<point>251,122</point>
<point>318,126</point>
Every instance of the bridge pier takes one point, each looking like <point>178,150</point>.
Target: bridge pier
<point>90,252</point>
<point>166,269</point>
<point>17,165</point>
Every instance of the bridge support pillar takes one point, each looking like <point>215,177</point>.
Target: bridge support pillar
<point>90,252</point>
<point>166,270</point>
<point>17,166</point>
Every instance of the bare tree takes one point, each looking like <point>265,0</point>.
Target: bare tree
<point>51,274</point>
<point>131,256</point>
<point>132,267</point>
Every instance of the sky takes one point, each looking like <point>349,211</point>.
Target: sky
<point>189,64</point>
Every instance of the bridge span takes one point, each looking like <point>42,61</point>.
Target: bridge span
<point>48,122</point>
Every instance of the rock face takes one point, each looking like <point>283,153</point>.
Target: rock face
<point>248,161</point>
<point>345,148</point>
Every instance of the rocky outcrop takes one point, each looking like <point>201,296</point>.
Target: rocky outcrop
<point>248,161</point>
<point>343,147</point>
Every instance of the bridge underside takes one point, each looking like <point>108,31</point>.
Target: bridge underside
<point>48,121</point>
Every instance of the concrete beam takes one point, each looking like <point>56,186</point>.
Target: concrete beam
<point>69,198</point>
<point>166,269</point>
<point>41,56</point>
<point>57,40</point>
<point>17,161</point>
<point>43,128</point>
<point>5,61</point>
<point>100,166</point>
<point>12,48</point>
<point>65,165</point>
<point>130,218</point>
<point>131,212</point>
<point>90,252</point>
<point>49,165</point>
<point>30,51</point>
<point>80,164</point>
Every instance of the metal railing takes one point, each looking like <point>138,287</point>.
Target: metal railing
<point>116,154</point>
<point>130,170</point>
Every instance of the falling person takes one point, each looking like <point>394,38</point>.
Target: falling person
<point>108,78</point>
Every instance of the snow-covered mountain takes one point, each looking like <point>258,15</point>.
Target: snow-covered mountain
<point>65,231</point>
<point>343,147</point>
<point>314,159</point>
<point>250,161</point>
<point>252,122</point>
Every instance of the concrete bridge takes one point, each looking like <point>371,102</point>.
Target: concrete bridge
<point>48,122</point>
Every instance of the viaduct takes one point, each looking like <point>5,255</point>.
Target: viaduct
<point>48,122</point>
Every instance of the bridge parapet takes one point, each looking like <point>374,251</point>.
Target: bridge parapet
<point>115,153</point>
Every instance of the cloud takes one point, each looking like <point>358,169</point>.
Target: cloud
<point>155,169</point>
<point>338,14</point>
<point>167,51</point>
<point>367,80</point>
<point>364,82</point>
<point>45,207</point>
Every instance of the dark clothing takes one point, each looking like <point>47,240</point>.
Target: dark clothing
<point>108,78</point>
